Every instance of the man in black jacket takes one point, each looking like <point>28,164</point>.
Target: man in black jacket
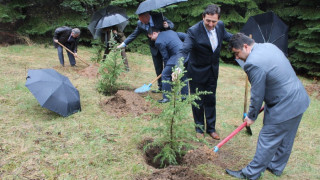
<point>68,37</point>
<point>201,50</point>
<point>146,21</point>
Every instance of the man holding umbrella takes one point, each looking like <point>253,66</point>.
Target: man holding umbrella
<point>68,37</point>
<point>146,21</point>
<point>273,81</point>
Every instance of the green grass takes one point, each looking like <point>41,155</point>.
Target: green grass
<point>36,143</point>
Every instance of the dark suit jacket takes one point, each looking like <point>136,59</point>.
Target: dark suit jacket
<point>62,34</point>
<point>274,81</point>
<point>202,61</point>
<point>169,44</point>
<point>158,23</point>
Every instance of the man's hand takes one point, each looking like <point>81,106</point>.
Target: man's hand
<point>122,45</point>
<point>56,40</point>
<point>249,121</point>
<point>165,24</point>
<point>175,74</point>
<point>75,54</point>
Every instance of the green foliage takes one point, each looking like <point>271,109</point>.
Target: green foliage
<point>110,70</point>
<point>170,125</point>
<point>39,18</point>
<point>11,12</point>
<point>302,17</point>
<point>98,48</point>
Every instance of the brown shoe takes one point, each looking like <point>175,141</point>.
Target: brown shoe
<point>199,135</point>
<point>214,135</point>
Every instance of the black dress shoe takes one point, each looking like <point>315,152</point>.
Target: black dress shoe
<point>274,172</point>
<point>237,174</point>
<point>163,100</point>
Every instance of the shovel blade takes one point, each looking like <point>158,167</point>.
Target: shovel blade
<point>249,132</point>
<point>143,89</point>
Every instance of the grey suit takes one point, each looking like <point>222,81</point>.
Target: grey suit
<point>273,81</point>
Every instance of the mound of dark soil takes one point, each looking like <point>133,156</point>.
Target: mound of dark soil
<point>314,88</point>
<point>198,156</point>
<point>125,103</point>
<point>90,71</point>
<point>183,171</point>
<point>174,173</point>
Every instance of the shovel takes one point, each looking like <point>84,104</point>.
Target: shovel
<point>72,53</point>
<point>145,87</point>
<point>249,131</point>
<point>244,124</point>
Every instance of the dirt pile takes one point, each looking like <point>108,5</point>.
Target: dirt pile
<point>90,71</point>
<point>183,171</point>
<point>198,156</point>
<point>314,88</point>
<point>125,103</point>
<point>174,173</point>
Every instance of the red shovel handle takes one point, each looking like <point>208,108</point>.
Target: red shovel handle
<point>232,134</point>
<point>216,148</point>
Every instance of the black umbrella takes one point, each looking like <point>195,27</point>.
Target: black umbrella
<point>268,27</point>
<point>107,17</point>
<point>53,91</point>
<point>150,5</point>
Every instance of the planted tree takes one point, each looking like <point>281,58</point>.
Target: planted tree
<point>172,126</point>
<point>110,69</point>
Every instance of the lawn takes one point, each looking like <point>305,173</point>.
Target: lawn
<point>36,143</point>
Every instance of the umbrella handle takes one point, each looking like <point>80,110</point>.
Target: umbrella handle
<point>155,79</point>
<point>72,53</point>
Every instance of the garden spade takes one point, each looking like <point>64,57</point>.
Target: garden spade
<point>249,131</point>
<point>244,124</point>
<point>72,53</point>
<point>145,87</point>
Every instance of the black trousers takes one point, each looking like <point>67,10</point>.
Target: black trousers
<point>207,105</point>
<point>158,66</point>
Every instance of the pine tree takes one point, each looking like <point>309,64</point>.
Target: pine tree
<point>170,127</point>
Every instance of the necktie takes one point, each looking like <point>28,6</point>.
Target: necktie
<point>213,40</point>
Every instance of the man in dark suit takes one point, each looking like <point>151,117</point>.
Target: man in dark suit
<point>146,21</point>
<point>203,45</point>
<point>68,37</point>
<point>273,81</point>
<point>168,43</point>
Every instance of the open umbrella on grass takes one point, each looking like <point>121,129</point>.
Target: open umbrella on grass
<point>53,91</point>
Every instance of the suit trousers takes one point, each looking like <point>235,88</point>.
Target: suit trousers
<point>158,66</point>
<point>166,76</point>
<point>273,148</point>
<point>61,58</point>
<point>207,105</point>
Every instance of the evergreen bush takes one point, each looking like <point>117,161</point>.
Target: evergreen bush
<point>171,126</point>
<point>110,70</point>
